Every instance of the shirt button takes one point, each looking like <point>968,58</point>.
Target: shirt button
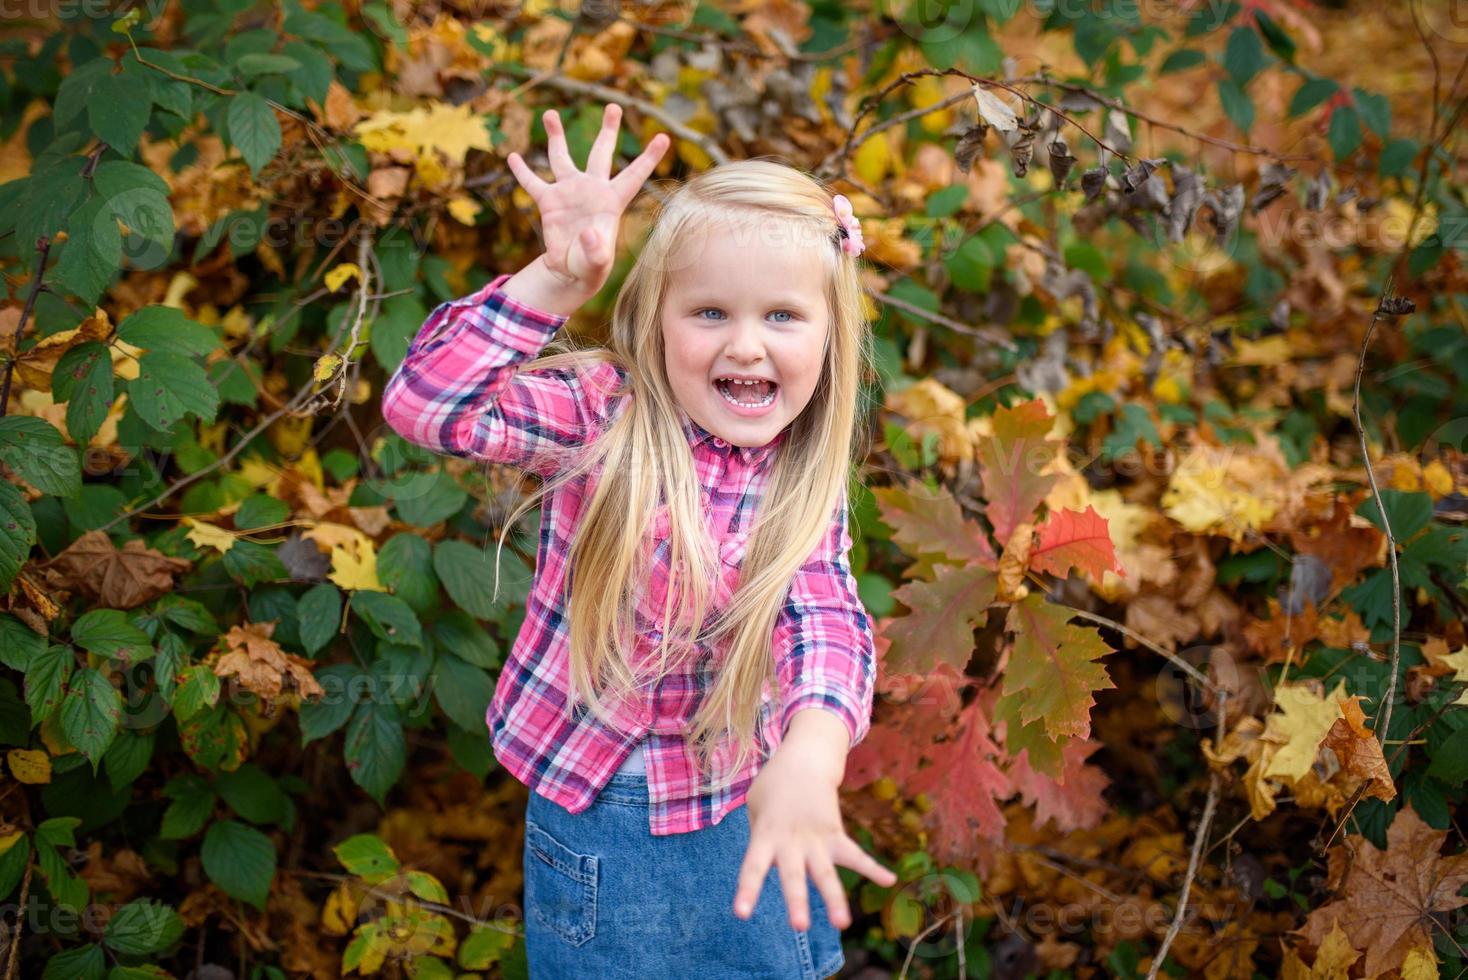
<point>720,442</point>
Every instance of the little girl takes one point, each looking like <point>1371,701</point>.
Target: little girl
<point>693,640</point>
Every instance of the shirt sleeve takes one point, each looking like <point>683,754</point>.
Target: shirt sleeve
<point>461,391</point>
<point>824,652</point>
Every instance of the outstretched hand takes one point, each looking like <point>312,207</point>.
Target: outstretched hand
<point>580,212</point>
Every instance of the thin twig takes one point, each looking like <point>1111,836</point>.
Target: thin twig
<point>1176,661</point>
<point>1209,806</point>
<point>1383,711</point>
<point>43,248</point>
<point>25,894</point>
<point>989,334</point>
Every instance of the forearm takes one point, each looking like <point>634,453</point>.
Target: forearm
<point>535,285</point>
<point>820,740</point>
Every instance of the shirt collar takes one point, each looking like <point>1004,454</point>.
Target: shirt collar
<point>697,435</point>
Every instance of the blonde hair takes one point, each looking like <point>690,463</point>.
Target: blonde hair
<point>643,454</point>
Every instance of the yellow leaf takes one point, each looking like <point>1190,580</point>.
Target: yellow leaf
<point>339,915</point>
<point>353,555</point>
<point>1459,663</point>
<point>873,159</point>
<point>338,276</point>
<point>7,841</point>
<point>29,765</point>
<point>1420,964</point>
<point>326,366</point>
<point>927,91</point>
<point>450,130</point>
<point>209,536</point>
<point>1299,727</point>
<point>464,210</point>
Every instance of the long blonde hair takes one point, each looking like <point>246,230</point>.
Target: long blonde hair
<point>642,455</point>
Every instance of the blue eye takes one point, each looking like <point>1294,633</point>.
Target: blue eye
<point>787,313</point>
<point>709,309</point>
<point>713,309</point>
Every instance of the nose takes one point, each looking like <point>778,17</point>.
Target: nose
<point>746,343</point>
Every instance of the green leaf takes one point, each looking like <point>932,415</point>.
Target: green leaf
<point>1408,512</point>
<point>187,613</point>
<point>1375,110</point>
<point>83,963</point>
<point>1238,106</point>
<point>251,65</point>
<point>45,678</point>
<point>467,573</point>
<point>367,857</point>
<point>1344,133</point>
<point>945,201</point>
<point>315,72</point>
<point>1397,156</point>
<point>342,684</point>
<point>17,532</point>
<point>1311,94</point>
<point>1181,60</point>
<point>456,630</point>
<point>320,612</point>
<point>431,500</point>
<point>388,617</point>
<point>121,114</point>
<point>80,88</point>
<point>36,450</point>
<point>462,690</point>
<point>375,748</point>
<point>92,253</point>
<point>170,386</point>
<point>254,130</point>
<point>252,563</point>
<point>240,860</point>
<point>1243,56</point>
<point>971,265</point>
<point>90,713</point>
<point>253,794</point>
<point>395,327</point>
<point>1279,42</point>
<point>19,644</point>
<point>198,688</point>
<point>164,328</point>
<point>143,927</point>
<point>107,632</point>
<point>83,379</point>
<point>193,802</point>
<point>127,757</point>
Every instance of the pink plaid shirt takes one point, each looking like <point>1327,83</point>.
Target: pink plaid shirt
<point>459,391</point>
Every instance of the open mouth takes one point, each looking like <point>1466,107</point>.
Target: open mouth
<point>747,394</point>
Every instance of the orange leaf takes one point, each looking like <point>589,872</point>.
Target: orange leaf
<point>1073,539</point>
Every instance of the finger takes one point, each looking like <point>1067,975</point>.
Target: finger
<point>792,883</point>
<point>560,155</point>
<point>528,178</point>
<point>630,180</point>
<point>599,162</point>
<point>752,874</point>
<point>849,854</point>
<point>828,883</point>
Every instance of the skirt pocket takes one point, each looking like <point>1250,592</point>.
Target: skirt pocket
<point>560,886</point>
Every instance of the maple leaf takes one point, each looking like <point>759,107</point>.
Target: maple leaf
<point>1052,668</point>
<point>353,555</point>
<point>928,521</point>
<point>261,665</point>
<point>1010,464</point>
<point>1458,663</point>
<point>945,613</point>
<point>117,578</point>
<point>1072,802</point>
<point>1391,901</point>
<point>1358,750</point>
<point>1075,539</point>
<point>1332,960</point>
<point>450,130</point>
<point>1299,727</point>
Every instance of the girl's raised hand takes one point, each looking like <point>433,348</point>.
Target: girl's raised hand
<point>581,211</point>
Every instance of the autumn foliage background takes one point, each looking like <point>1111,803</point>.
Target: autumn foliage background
<point>1161,522</point>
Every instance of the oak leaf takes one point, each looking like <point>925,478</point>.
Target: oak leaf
<point>1073,539</point>
<point>945,613</point>
<point>1010,463</point>
<point>1053,667</point>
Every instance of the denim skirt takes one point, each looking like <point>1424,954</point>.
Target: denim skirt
<point>606,898</point>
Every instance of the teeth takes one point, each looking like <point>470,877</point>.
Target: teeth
<point>734,401</point>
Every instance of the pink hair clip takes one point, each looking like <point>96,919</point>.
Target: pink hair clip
<point>851,241</point>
